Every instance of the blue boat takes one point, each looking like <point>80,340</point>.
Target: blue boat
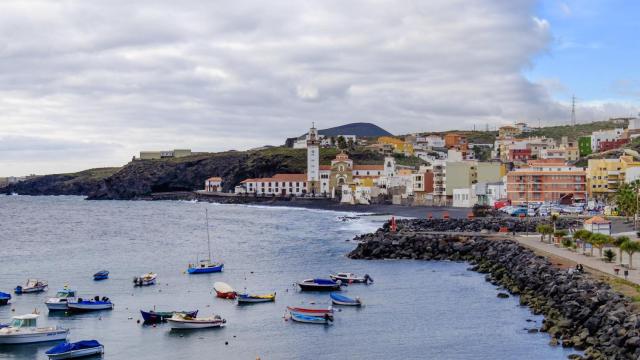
<point>206,266</point>
<point>154,317</point>
<point>309,319</point>
<point>94,304</point>
<point>319,285</point>
<point>67,350</point>
<point>101,275</point>
<point>343,300</point>
<point>4,298</point>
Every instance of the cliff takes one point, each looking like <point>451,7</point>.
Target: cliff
<point>79,183</point>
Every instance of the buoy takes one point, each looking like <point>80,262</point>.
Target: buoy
<point>138,321</point>
<point>226,343</point>
<point>445,215</point>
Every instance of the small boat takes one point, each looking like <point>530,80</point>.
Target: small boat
<point>252,299</point>
<point>154,317</point>
<point>145,279</point>
<point>351,278</point>
<point>78,349</point>
<point>32,286</point>
<point>319,285</point>
<point>23,330</point>
<point>343,300</point>
<point>183,321</point>
<point>59,302</point>
<point>224,290</point>
<point>101,275</point>
<point>310,311</point>
<point>206,266</point>
<point>4,298</point>
<point>94,304</point>
<point>310,319</point>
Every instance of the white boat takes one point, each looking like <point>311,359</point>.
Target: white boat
<point>94,304</point>
<point>32,286</point>
<point>68,350</point>
<point>23,330</point>
<point>145,279</point>
<point>183,321</point>
<point>59,302</point>
<point>351,278</point>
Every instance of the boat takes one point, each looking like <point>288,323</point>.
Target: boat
<point>145,279</point>
<point>319,285</point>
<point>94,304</point>
<point>23,330</point>
<point>252,299</point>
<point>343,300</point>
<point>183,321</point>
<point>310,311</point>
<point>206,266</point>
<point>59,302</point>
<point>4,298</point>
<point>101,275</point>
<point>310,319</point>
<point>67,350</point>
<point>351,278</point>
<point>224,290</point>
<point>154,317</point>
<point>32,286</point>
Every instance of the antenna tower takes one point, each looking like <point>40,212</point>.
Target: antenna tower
<point>573,110</point>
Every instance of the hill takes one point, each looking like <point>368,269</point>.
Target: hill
<point>79,183</point>
<point>359,129</point>
<point>573,132</point>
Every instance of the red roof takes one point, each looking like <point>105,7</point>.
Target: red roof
<point>215,178</point>
<point>289,177</point>
<point>597,220</point>
<point>368,167</point>
<point>325,167</point>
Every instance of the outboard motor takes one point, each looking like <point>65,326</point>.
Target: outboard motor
<point>79,299</point>
<point>367,279</point>
<point>96,298</point>
<point>18,289</point>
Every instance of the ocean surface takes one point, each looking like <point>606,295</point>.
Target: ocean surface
<point>414,310</point>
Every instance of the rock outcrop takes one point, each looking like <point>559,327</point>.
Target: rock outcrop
<point>580,312</point>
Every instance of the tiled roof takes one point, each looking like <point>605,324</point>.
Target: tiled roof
<point>368,167</point>
<point>597,220</point>
<point>279,177</point>
<point>215,178</point>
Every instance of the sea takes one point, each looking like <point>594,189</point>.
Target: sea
<point>413,310</point>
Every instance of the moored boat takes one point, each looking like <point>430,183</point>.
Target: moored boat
<point>59,302</point>
<point>101,275</point>
<point>74,350</point>
<point>154,317</point>
<point>344,300</point>
<point>94,304</point>
<point>252,299</point>
<point>224,290</point>
<point>351,278</point>
<point>4,298</point>
<point>145,279</point>
<point>23,330</point>
<point>310,319</point>
<point>319,285</point>
<point>183,321</point>
<point>206,266</point>
<point>32,286</point>
<point>317,311</point>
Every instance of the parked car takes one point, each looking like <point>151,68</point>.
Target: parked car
<point>518,212</point>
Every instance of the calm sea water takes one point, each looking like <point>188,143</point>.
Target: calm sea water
<point>415,310</point>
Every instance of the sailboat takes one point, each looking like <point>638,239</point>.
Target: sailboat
<point>206,265</point>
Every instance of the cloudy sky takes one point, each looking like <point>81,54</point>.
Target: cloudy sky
<point>91,83</point>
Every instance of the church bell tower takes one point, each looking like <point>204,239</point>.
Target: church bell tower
<point>313,161</point>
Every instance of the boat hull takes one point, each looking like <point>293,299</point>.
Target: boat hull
<point>78,307</point>
<point>100,277</point>
<point>310,311</point>
<point>338,299</point>
<point>254,300</point>
<point>4,301</point>
<point>226,295</point>
<point>21,290</point>
<point>27,338</point>
<point>318,287</point>
<point>151,317</point>
<point>206,270</point>
<point>347,280</point>
<point>77,353</point>
<point>61,306</point>
<point>309,319</point>
<point>194,324</point>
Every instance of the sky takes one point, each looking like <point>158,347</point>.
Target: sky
<point>91,83</point>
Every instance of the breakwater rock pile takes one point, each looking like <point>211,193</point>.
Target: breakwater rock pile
<point>580,312</point>
<point>490,224</point>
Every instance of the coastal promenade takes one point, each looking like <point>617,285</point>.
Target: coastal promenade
<point>593,262</point>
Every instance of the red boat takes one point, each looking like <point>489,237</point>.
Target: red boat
<point>224,290</point>
<point>310,311</point>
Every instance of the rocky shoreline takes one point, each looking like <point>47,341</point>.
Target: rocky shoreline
<point>580,312</point>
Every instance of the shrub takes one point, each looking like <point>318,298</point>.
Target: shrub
<point>609,255</point>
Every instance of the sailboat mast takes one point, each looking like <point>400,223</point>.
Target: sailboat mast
<point>206,215</point>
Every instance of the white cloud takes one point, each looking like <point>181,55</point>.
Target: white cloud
<point>213,75</point>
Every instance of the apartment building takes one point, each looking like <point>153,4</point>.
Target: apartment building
<point>553,183</point>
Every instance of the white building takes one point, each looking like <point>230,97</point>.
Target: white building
<point>430,141</point>
<point>598,225</point>
<point>489,193</point>
<point>278,185</point>
<point>634,124</point>
<point>604,135</point>
<point>313,162</point>
<point>213,184</point>
<point>464,197</point>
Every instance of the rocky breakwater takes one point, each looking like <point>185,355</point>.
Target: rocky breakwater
<point>580,312</point>
<point>486,224</point>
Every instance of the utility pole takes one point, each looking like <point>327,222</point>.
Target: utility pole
<point>573,110</point>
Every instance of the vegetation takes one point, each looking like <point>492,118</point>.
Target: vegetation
<point>482,153</point>
<point>627,198</point>
<point>567,242</point>
<point>609,255</point>
<point>599,241</point>
<point>630,247</point>
<point>559,234</point>
<point>572,132</point>
<point>544,230</point>
<point>618,242</point>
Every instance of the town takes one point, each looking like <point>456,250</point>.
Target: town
<point>574,174</point>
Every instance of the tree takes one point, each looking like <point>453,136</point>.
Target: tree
<point>554,219</point>
<point>599,241</point>
<point>609,255</point>
<point>582,235</point>
<point>631,247</point>
<point>559,234</point>
<point>342,143</point>
<point>351,144</point>
<point>567,242</point>
<point>618,242</point>
<point>626,198</point>
<point>544,230</point>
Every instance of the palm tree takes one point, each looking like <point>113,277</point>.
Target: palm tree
<point>618,242</point>
<point>582,235</point>
<point>544,230</point>
<point>554,219</point>
<point>631,247</point>
<point>599,241</point>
